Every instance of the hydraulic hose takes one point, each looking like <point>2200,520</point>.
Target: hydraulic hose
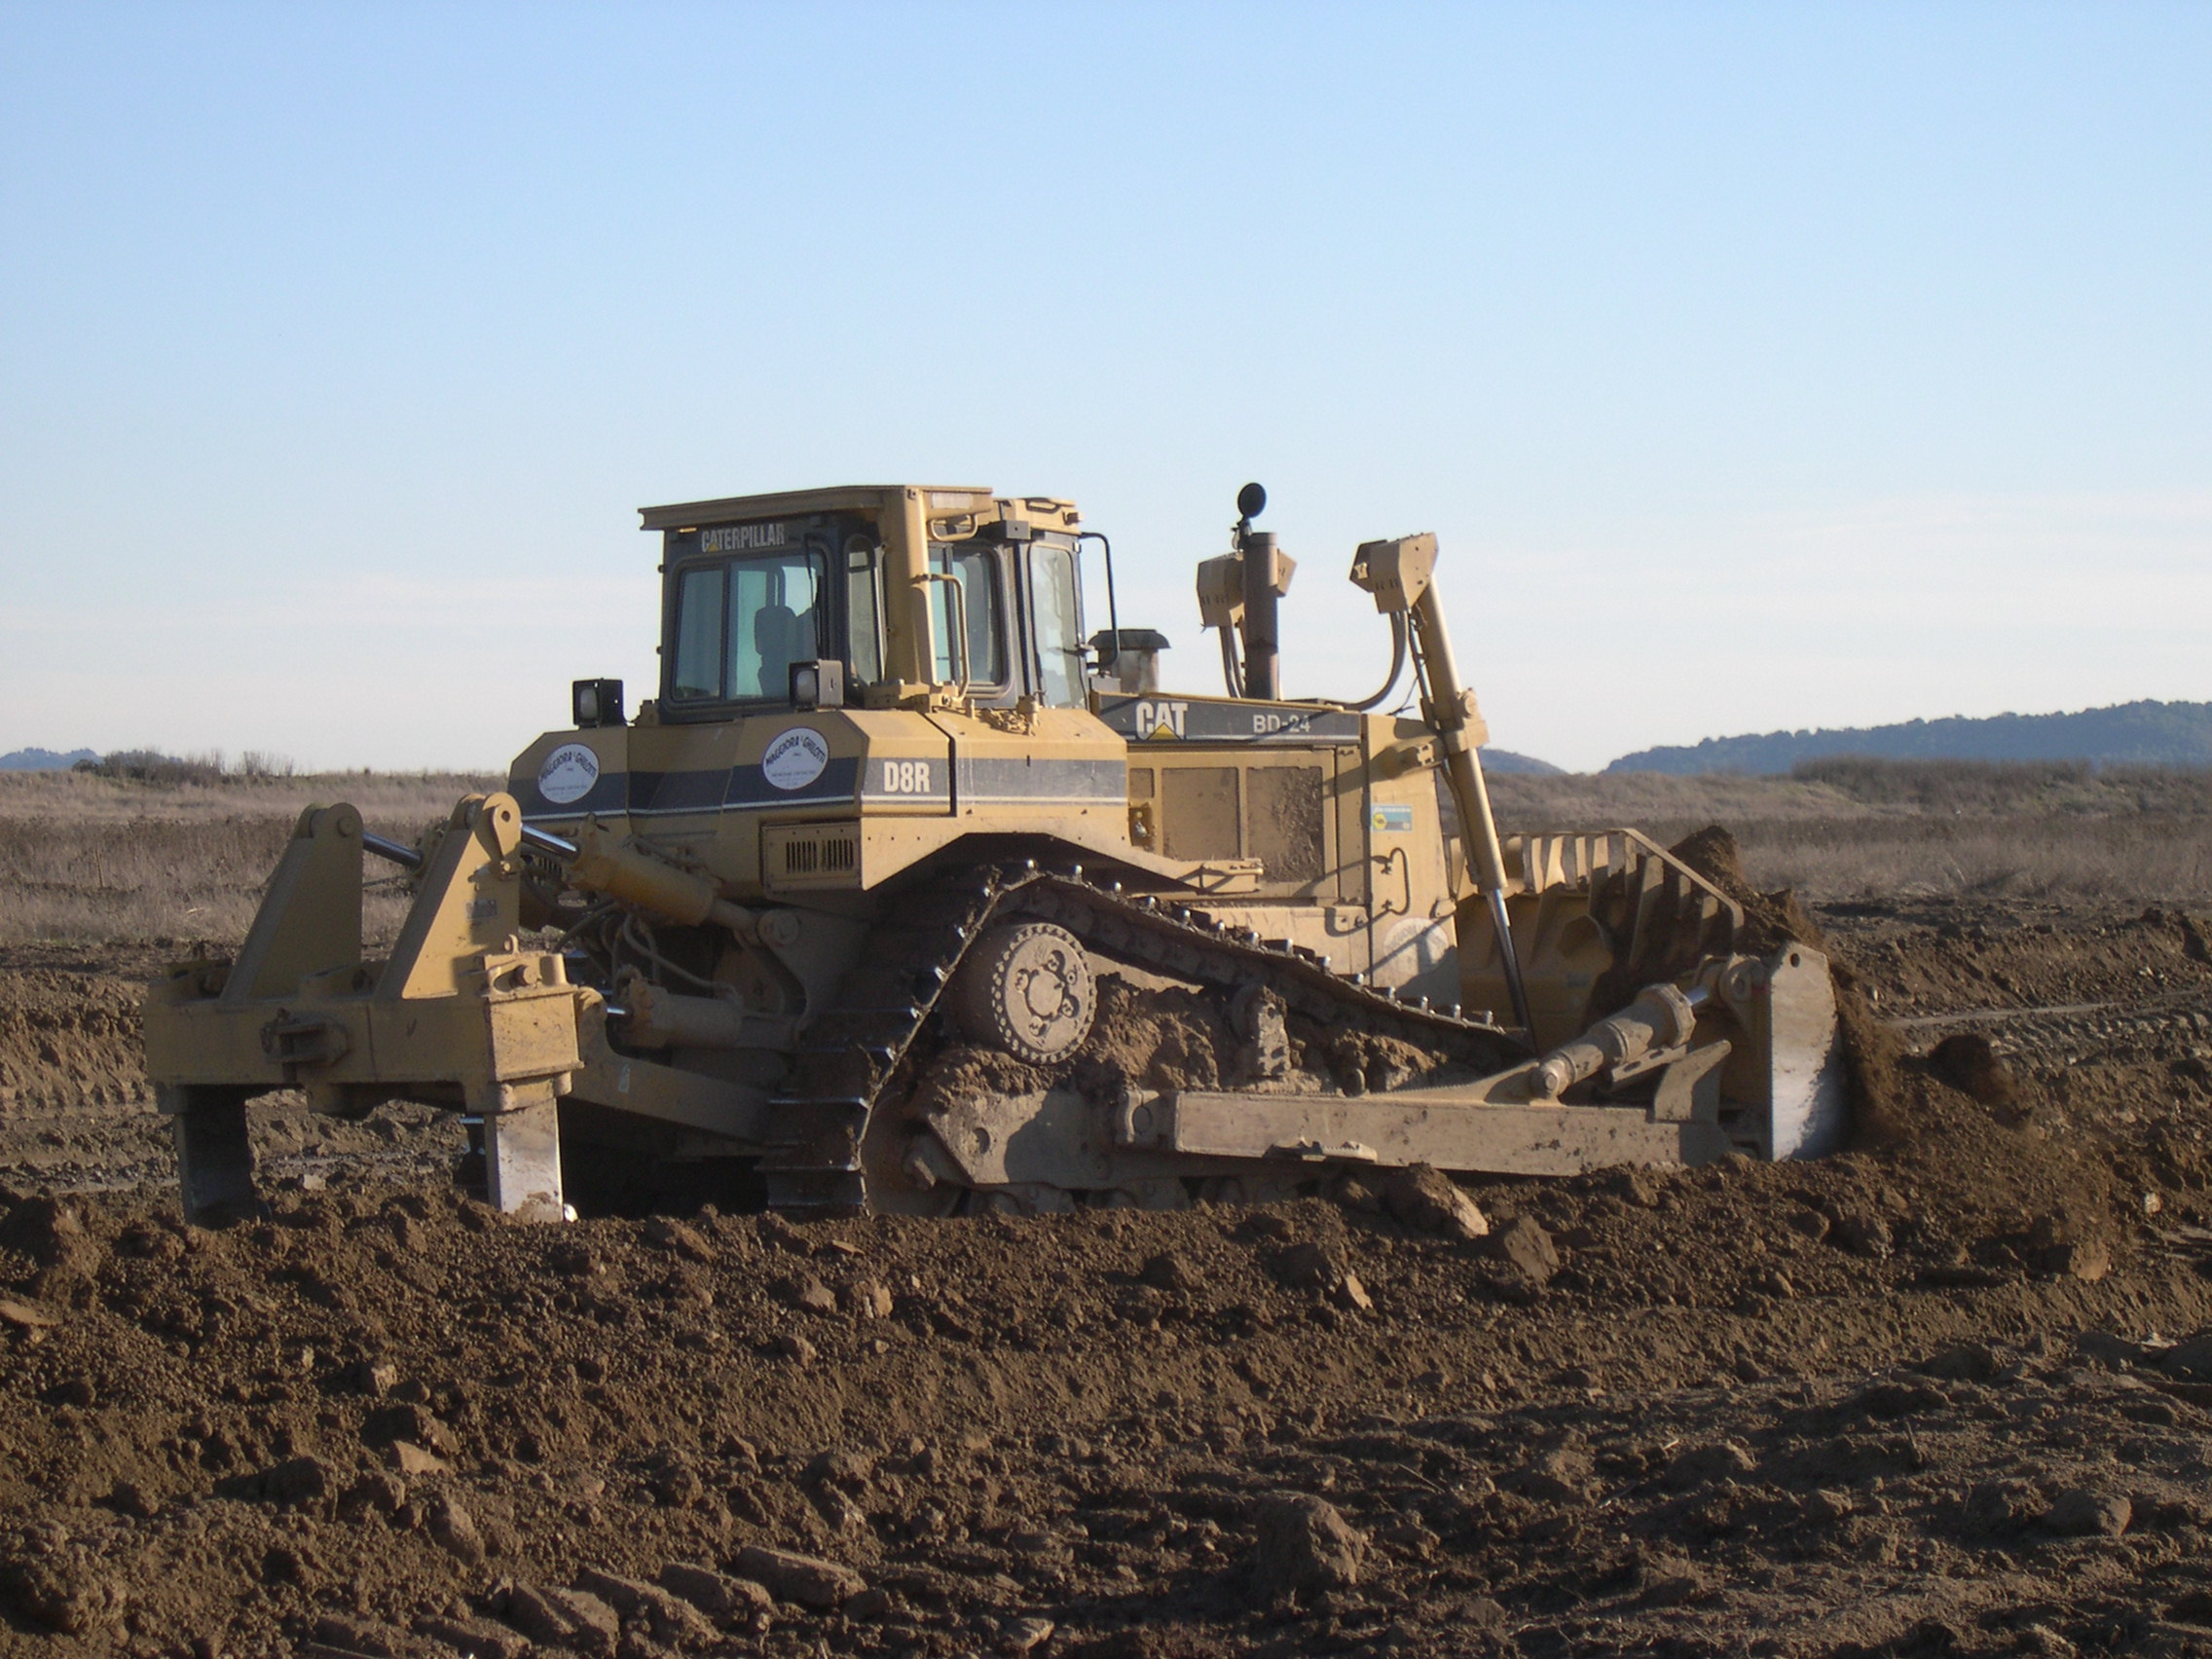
<point>1397,664</point>
<point>1232,674</point>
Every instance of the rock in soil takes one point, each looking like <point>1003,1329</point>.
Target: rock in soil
<point>2082,1512</point>
<point>717,1595</point>
<point>1969,1063</point>
<point>1304,1547</point>
<point>1170,1270</point>
<point>1527,1248</point>
<point>672,1620</point>
<point>561,1618</point>
<point>806,1579</point>
<point>453,1530</point>
<point>1428,1201</point>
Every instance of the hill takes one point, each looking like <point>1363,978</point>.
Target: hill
<point>1506,760</point>
<point>2127,734</point>
<point>42,759</point>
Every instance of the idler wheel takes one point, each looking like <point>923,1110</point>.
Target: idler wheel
<point>1026,988</point>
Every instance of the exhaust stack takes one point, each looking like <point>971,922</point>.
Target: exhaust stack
<point>1238,594</point>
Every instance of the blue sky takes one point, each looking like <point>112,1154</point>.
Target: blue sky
<point>1758,366</point>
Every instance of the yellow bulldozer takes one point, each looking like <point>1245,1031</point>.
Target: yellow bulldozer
<point>904,895</point>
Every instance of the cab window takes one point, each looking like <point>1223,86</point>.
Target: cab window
<point>863,611</point>
<point>1057,639</point>
<point>774,622</point>
<point>740,625</point>
<point>699,635</point>
<point>976,571</point>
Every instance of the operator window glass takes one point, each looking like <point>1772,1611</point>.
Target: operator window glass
<point>774,622</point>
<point>863,606</point>
<point>699,635</point>
<point>976,571</point>
<point>1060,633</point>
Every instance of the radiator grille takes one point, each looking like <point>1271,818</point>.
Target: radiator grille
<point>833,855</point>
<point>811,855</point>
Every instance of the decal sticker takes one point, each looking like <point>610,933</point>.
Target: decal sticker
<point>742,538</point>
<point>1393,818</point>
<point>567,774</point>
<point>794,758</point>
<point>1204,720</point>
<point>907,776</point>
<point>1161,719</point>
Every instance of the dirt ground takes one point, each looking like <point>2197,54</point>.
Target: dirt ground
<point>1943,1394</point>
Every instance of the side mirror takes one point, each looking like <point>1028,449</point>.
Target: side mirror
<point>1251,501</point>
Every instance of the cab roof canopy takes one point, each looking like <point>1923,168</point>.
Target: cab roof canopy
<point>936,499</point>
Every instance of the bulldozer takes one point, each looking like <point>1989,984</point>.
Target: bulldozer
<point>903,894</point>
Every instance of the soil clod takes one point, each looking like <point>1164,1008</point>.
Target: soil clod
<point>1304,1548</point>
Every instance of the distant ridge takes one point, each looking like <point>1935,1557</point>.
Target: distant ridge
<point>2127,734</point>
<point>42,759</point>
<point>1506,760</point>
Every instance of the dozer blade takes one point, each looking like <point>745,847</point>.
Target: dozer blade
<point>1738,1054</point>
<point>1761,1076</point>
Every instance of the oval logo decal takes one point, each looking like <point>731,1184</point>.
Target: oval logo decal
<point>794,758</point>
<point>567,774</point>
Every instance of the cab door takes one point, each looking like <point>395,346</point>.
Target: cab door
<point>1051,622</point>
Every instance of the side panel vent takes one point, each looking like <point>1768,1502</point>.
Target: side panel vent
<point>811,855</point>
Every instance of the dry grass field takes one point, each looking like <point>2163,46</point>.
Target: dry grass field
<point>85,858</point>
<point>1851,830</point>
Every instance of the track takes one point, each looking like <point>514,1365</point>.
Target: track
<point>850,1066</point>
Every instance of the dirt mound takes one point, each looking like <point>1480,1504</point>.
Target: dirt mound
<point>1770,919</point>
<point>1713,854</point>
<point>68,1038</point>
<point>2011,959</point>
<point>1883,1113</point>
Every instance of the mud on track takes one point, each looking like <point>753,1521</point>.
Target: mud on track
<point>1923,1398</point>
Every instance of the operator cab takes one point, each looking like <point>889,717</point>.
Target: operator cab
<point>866,596</point>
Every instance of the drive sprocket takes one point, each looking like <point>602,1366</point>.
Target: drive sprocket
<point>1026,988</point>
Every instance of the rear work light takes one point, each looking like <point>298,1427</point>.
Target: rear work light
<point>596,702</point>
<point>818,685</point>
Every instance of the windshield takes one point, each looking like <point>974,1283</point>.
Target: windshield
<point>741,625</point>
